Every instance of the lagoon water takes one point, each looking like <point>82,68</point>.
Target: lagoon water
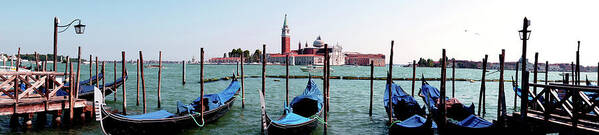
<point>349,98</point>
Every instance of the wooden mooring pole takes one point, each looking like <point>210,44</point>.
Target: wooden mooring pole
<point>263,69</point>
<point>481,96</point>
<point>115,88</point>
<point>389,85</point>
<point>71,90</point>
<point>578,64</point>
<point>143,81</point>
<point>103,79</point>
<point>90,69</point>
<point>324,80</point>
<point>328,58</point>
<point>573,73</point>
<point>15,118</point>
<point>524,97</point>
<point>97,77</point>
<point>325,77</point>
<point>66,66</point>
<point>501,110</point>
<point>242,84</point>
<point>287,79</point>
<point>137,88</point>
<point>123,74</point>
<point>263,82</point>
<point>443,89</point>
<point>546,72</point>
<point>183,73</point>
<point>535,71</point>
<point>37,62</point>
<point>77,85</point>
<point>413,76</point>
<point>515,84</point>
<point>327,88</point>
<point>371,86</point>
<point>453,77</point>
<point>160,75</point>
<point>567,78</point>
<point>202,82</point>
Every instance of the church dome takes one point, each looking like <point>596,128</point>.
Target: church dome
<point>318,42</point>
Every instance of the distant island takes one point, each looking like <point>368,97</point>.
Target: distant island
<point>560,67</point>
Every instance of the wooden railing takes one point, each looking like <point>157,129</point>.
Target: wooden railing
<point>575,104</point>
<point>35,83</point>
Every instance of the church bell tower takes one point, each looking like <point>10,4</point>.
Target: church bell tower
<point>285,37</point>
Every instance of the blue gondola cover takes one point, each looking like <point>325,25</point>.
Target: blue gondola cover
<point>214,100</point>
<point>311,92</point>
<point>473,121</point>
<point>398,95</point>
<point>414,122</point>
<point>152,115</point>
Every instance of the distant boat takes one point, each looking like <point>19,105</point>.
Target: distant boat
<point>313,68</point>
<point>152,66</point>
<point>13,69</point>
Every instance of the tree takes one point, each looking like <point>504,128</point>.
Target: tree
<point>430,63</point>
<point>246,54</point>
<point>256,56</point>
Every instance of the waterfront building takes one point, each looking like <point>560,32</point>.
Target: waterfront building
<point>308,55</point>
<point>227,60</point>
<point>364,59</point>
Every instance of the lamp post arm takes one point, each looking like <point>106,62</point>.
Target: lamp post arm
<point>67,26</point>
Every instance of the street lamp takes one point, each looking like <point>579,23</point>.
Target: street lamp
<point>79,29</point>
<point>524,35</point>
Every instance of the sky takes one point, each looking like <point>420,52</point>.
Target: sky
<point>467,29</point>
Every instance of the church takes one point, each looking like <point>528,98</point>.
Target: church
<point>309,55</point>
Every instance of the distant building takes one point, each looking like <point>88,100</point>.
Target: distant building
<point>308,55</point>
<point>285,37</point>
<point>227,60</point>
<point>364,59</point>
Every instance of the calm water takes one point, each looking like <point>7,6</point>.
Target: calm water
<point>349,98</point>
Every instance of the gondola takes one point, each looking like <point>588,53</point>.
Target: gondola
<point>594,96</point>
<point>163,122</point>
<point>86,91</point>
<point>300,117</point>
<point>461,118</point>
<point>407,115</point>
<point>518,91</point>
<point>93,80</point>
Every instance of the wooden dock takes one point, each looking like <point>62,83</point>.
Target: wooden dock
<point>24,94</point>
<point>35,105</point>
<point>572,113</point>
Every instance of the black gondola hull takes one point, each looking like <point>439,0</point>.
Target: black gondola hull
<point>298,129</point>
<point>109,89</point>
<point>119,125</point>
<point>453,128</point>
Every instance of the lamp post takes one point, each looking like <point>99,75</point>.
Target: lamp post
<point>524,36</point>
<point>79,28</point>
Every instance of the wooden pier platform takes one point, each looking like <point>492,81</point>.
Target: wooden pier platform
<point>556,123</point>
<point>34,105</point>
<point>573,113</point>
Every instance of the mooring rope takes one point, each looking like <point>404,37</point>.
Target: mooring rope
<point>394,122</point>
<point>319,119</point>
<point>194,120</point>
